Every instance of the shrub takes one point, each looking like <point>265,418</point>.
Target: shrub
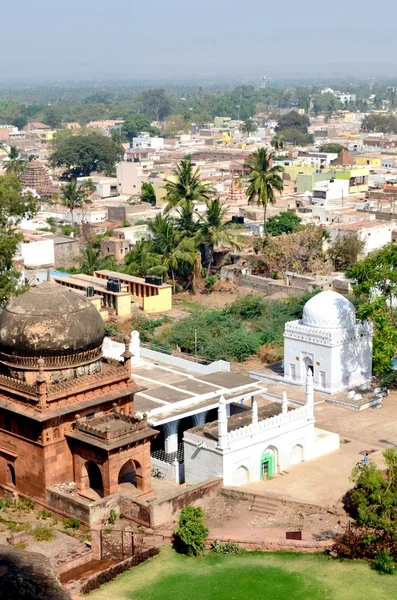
<point>43,533</point>
<point>24,505</point>
<point>247,307</point>
<point>43,514</point>
<point>112,516</point>
<point>71,523</point>
<point>210,281</point>
<point>5,503</point>
<point>191,533</point>
<point>383,563</point>
<point>226,548</point>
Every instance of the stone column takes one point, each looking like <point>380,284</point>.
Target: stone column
<point>199,419</point>
<point>254,408</point>
<point>309,396</point>
<point>127,354</point>
<point>222,423</point>
<point>284,405</point>
<point>41,383</point>
<point>171,437</point>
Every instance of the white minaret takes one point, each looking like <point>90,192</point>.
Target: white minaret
<point>254,407</point>
<point>309,397</point>
<point>284,404</point>
<point>222,423</point>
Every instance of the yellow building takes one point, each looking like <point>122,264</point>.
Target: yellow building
<point>150,297</point>
<point>375,162</point>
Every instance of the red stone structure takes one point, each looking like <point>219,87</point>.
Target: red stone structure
<point>65,413</point>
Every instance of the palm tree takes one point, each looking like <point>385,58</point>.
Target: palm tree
<point>188,186</point>
<point>248,126</point>
<point>263,180</point>
<point>75,196</point>
<point>140,259</point>
<point>187,220</point>
<point>168,250</point>
<point>15,164</point>
<point>278,142</point>
<point>213,228</point>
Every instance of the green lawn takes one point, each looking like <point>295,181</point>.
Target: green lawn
<point>252,576</point>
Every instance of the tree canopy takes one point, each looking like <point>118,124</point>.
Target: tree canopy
<point>285,222</point>
<point>134,125</point>
<point>14,206</point>
<point>84,152</point>
<point>293,120</point>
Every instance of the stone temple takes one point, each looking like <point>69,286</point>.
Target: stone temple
<point>331,343</point>
<point>66,414</point>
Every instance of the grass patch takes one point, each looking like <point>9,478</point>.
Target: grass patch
<point>253,576</point>
<point>43,533</point>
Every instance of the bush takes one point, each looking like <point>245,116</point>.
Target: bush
<point>43,533</point>
<point>226,548</point>
<point>210,281</point>
<point>71,523</point>
<point>24,505</point>
<point>191,533</point>
<point>5,503</point>
<point>247,307</point>
<point>112,516</point>
<point>383,563</point>
<point>43,514</point>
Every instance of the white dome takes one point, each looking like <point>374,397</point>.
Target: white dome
<point>329,310</point>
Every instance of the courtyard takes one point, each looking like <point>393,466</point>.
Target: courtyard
<point>253,575</point>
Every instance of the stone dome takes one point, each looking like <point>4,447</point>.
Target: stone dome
<point>329,310</point>
<point>52,322</point>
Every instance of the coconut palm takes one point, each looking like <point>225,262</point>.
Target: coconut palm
<point>264,180</point>
<point>248,126</point>
<point>214,229</point>
<point>168,250</point>
<point>278,142</point>
<point>187,187</point>
<point>16,164</point>
<point>75,196</point>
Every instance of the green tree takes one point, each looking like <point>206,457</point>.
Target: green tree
<point>187,187</point>
<point>134,125</point>
<point>293,120</point>
<point>332,148</point>
<point>168,250</point>
<point>14,206</point>
<point>147,193</point>
<point>92,260</point>
<point>214,229</point>
<point>173,125</point>
<point>155,104</point>
<point>376,294</point>
<point>248,126</point>
<point>191,532</point>
<point>15,165</point>
<point>374,496</point>
<point>74,196</point>
<point>84,152</point>
<point>278,142</point>
<point>264,180</point>
<point>345,250</point>
<point>285,222</point>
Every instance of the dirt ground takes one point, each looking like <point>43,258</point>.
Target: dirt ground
<point>220,515</point>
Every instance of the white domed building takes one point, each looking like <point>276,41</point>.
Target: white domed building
<point>330,342</point>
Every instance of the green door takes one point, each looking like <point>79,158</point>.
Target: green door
<point>267,465</point>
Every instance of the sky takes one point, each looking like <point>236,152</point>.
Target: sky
<point>94,39</point>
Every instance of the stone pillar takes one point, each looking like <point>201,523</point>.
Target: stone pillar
<point>127,354</point>
<point>135,347</point>
<point>254,408</point>
<point>284,405</point>
<point>41,383</point>
<point>171,437</point>
<point>96,547</point>
<point>222,423</point>
<point>309,396</point>
<point>199,419</point>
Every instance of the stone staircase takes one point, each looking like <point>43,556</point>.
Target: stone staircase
<point>265,506</point>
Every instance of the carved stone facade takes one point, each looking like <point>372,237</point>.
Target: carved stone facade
<point>65,413</point>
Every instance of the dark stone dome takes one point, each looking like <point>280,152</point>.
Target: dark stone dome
<point>50,320</point>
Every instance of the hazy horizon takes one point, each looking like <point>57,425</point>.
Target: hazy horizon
<point>97,40</point>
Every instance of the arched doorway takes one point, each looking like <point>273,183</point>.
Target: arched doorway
<point>158,442</point>
<point>94,477</point>
<point>308,366</point>
<point>11,480</point>
<point>184,425</point>
<point>212,415</point>
<point>128,473</point>
<point>241,476</point>
<point>269,463</point>
<point>297,454</point>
